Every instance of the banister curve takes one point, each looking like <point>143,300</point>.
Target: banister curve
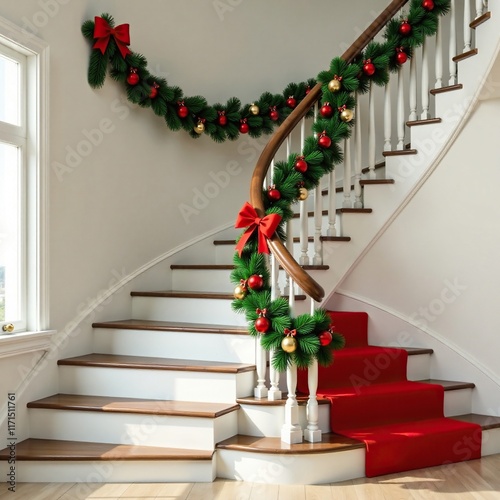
<point>291,266</point>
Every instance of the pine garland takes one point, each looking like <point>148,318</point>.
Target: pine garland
<point>310,336</point>
<point>339,84</point>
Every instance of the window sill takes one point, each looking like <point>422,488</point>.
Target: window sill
<point>25,342</point>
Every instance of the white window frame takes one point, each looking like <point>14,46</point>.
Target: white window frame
<point>37,335</point>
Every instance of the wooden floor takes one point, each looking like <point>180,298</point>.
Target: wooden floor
<point>478,479</point>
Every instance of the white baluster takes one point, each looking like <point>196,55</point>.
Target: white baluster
<point>358,203</point>
<point>304,226</point>
<point>371,133</point>
<point>425,81</point>
<point>439,54</point>
<point>274,393</point>
<point>260,391</point>
<point>318,221</point>
<point>291,432</point>
<point>312,433</point>
<point>479,8</point>
<point>288,229</point>
<point>401,111</point>
<point>467,28</point>
<point>413,89</point>
<point>387,118</point>
<point>347,203</point>
<point>332,204</point>
<point>453,43</point>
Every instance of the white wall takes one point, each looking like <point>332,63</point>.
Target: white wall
<point>435,272</point>
<point>117,209</point>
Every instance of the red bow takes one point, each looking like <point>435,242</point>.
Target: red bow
<point>103,31</point>
<point>288,332</point>
<point>266,226</point>
<point>261,312</point>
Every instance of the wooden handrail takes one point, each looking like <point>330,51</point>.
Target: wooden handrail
<point>301,277</point>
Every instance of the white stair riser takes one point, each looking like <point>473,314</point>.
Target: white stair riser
<point>224,253</point>
<point>202,280</point>
<point>318,468</point>
<point>190,310</point>
<point>112,471</point>
<point>181,345</point>
<point>133,429</point>
<point>156,384</point>
<point>268,421</point>
<point>418,367</point>
<point>457,402</point>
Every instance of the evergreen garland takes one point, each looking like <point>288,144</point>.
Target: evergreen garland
<point>321,157</point>
<point>321,152</point>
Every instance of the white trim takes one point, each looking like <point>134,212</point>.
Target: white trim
<point>428,331</point>
<point>22,343</point>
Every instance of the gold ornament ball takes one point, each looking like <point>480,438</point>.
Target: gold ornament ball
<point>334,85</point>
<point>289,344</point>
<point>254,109</point>
<point>347,115</point>
<point>199,128</point>
<point>240,292</point>
<point>303,194</point>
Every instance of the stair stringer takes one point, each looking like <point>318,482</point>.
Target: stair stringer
<point>410,172</point>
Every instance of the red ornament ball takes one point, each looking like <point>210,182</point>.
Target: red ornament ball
<point>153,93</point>
<point>244,128</point>
<point>369,68</point>
<point>401,57</point>
<point>405,28</point>
<point>262,324</point>
<point>428,5</point>
<point>222,120</point>
<point>182,111</point>
<point>133,77</point>
<point>301,165</point>
<point>325,338</point>
<point>273,194</point>
<point>291,102</point>
<point>273,114</point>
<point>324,141</point>
<point>255,282</point>
<point>326,110</point>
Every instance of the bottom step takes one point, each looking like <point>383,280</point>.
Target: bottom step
<point>242,458</point>
<point>44,460</point>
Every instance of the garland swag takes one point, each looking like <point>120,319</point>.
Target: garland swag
<point>304,338</point>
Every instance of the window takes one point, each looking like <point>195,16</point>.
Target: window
<point>12,189</point>
<point>23,152</point>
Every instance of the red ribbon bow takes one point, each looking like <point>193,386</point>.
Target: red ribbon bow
<point>103,32</point>
<point>261,312</point>
<point>288,332</point>
<point>266,226</point>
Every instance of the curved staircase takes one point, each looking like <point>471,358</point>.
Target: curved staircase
<point>168,395</point>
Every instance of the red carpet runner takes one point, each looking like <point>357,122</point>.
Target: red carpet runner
<point>401,422</point>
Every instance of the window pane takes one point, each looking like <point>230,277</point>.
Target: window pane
<point>10,234</point>
<point>9,91</point>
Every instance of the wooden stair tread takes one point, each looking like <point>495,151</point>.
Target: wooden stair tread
<point>273,445</point>
<point>465,55</point>
<point>428,121</point>
<point>448,88</point>
<point>49,449</point>
<point>412,351</point>
<point>154,363</point>
<point>480,20</point>
<point>370,182</point>
<point>400,152</point>
<point>133,405</point>
<point>310,239</point>
<point>449,385</point>
<point>170,326</point>
<point>485,421</point>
